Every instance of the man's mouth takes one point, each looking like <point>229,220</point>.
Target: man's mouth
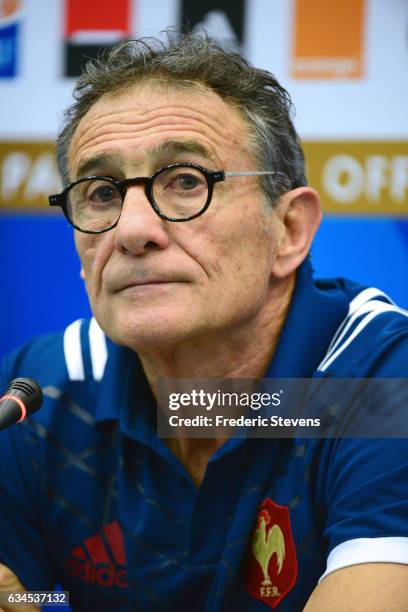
<point>147,283</point>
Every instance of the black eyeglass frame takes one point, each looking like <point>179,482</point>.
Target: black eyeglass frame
<point>211,176</point>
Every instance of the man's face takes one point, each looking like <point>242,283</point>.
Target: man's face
<point>151,282</point>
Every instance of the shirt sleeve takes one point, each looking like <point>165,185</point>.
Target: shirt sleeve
<point>364,488</point>
<point>22,532</point>
<point>366,502</point>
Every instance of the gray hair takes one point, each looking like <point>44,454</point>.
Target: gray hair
<point>197,60</point>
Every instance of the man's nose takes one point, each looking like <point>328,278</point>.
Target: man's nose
<point>139,228</point>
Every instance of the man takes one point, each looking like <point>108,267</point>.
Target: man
<point>193,220</point>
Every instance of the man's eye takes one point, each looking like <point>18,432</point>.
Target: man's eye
<point>183,182</point>
<point>102,193</point>
<point>187,181</point>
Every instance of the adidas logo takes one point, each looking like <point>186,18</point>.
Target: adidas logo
<point>101,559</point>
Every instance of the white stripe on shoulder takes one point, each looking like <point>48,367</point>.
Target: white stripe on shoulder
<point>362,304</point>
<point>99,352</point>
<point>366,295</point>
<point>356,303</point>
<point>367,550</point>
<point>366,308</point>
<point>73,352</point>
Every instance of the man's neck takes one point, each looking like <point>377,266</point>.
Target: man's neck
<point>240,353</point>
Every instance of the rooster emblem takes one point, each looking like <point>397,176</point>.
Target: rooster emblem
<point>265,544</point>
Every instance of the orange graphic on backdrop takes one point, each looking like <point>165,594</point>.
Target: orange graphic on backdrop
<point>328,39</point>
<point>8,7</point>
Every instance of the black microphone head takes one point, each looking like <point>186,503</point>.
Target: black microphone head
<point>29,391</point>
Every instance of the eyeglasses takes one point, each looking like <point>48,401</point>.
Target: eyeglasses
<point>179,192</point>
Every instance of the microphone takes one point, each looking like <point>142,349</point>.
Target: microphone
<point>22,398</point>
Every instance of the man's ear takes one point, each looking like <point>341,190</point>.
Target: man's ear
<point>82,274</point>
<point>299,214</point>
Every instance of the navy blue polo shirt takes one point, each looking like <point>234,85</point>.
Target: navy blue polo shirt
<point>91,498</point>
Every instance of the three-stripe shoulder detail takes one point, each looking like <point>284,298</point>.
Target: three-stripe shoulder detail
<point>363,308</point>
<point>74,352</point>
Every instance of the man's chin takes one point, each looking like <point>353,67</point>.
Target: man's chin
<point>149,335</point>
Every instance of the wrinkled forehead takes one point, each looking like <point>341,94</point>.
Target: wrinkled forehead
<point>157,110</point>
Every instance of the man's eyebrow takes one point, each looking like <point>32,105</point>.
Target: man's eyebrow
<point>104,160</point>
<point>171,148</point>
